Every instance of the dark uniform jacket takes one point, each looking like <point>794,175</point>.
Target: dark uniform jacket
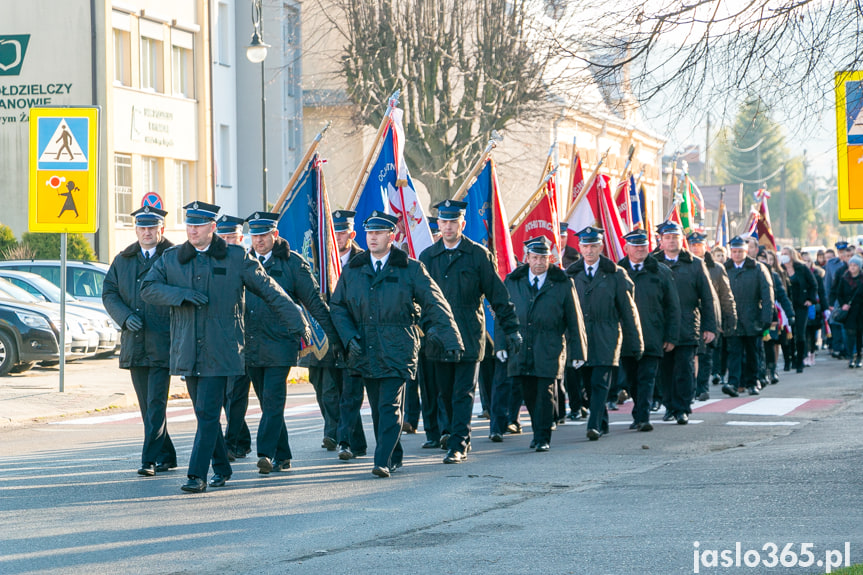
<point>549,320</point>
<point>697,313</point>
<point>570,255</point>
<point>610,316</point>
<point>466,276</point>
<point>657,302</point>
<point>752,286</point>
<point>207,340</point>
<point>780,296</point>
<point>270,343</point>
<point>383,310</point>
<point>121,294</point>
<point>803,286</point>
<point>722,289</point>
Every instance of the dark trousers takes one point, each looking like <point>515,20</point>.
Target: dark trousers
<point>501,393</point>
<point>559,400</point>
<point>386,397</point>
<point>350,432</point>
<point>801,319</point>
<point>456,383</point>
<point>271,387</point>
<point>435,422</point>
<point>539,397</point>
<point>742,361</point>
<point>237,436</point>
<point>640,379</point>
<point>412,402</point>
<point>326,384</point>
<point>572,381</point>
<point>151,386</point>
<point>837,339</point>
<point>720,356</point>
<point>486,381</point>
<point>208,396</point>
<point>853,339</point>
<point>705,370</point>
<point>617,383</point>
<point>597,380</point>
<point>516,400</point>
<point>678,378</point>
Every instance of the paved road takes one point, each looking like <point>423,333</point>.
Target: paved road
<point>630,503</point>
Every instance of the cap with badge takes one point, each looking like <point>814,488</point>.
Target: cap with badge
<point>636,238</point>
<point>590,235</point>
<point>737,242</point>
<point>669,227</point>
<point>539,245</point>
<point>696,238</point>
<point>200,213</point>
<point>343,220</point>
<point>380,221</point>
<point>841,245</point>
<point>450,209</point>
<point>433,224</point>
<point>564,227</point>
<point>262,223</point>
<point>149,217</point>
<point>229,225</point>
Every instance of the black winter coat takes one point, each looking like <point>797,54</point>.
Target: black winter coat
<point>270,343</point>
<point>466,276</point>
<point>208,340</point>
<point>722,289</point>
<point>697,313</point>
<point>752,285</point>
<point>383,310</point>
<point>803,286</point>
<point>657,302</point>
<point>780,296</point>
<point>550,323</point>
<point>121,294</point>
<point>849,290</point>
<point>610,315</point>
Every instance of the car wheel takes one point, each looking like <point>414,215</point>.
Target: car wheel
<point>8,354</point>
<point>22,367</point>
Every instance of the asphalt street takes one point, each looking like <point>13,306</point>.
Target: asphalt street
<point>71,502</point>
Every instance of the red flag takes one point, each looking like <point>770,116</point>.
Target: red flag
<point>610,220</point>
<point>577,177</point>
<point>539,222</point>
<point>764,229</point>
<point>586,213</point>
<point>503,251</point>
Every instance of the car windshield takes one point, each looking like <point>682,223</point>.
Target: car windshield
<point>8,290</point>
<point>49,289</point>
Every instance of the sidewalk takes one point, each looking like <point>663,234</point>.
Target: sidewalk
<point>91,386</point>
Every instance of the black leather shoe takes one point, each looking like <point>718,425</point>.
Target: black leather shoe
<point>443,441</point>
<point>633,425</point>
<point>532,444</point>
<point>454,456</point>
<point>265,465</point>
<point>381,472</point>
<point>408,427</point>
<point>573,416</point>
<point>703,396</point>
<point>513,428</point>
<point>715,379</point>
<point>218,480</point>
<point>163,467</point>
<point>232,456</point>
<point>542,447</point>
<point>753,391</point>
<point>360,453</point>
<point>668,416</point>
<point>654,406</point>
<point>496,437</point>
<point>194,485</point>
<point>281,465</point>
<point>329,444</point>
<point>593,434</point>
<point>554,426</point>
<point>645,426</point>
<point>431,444</point>
<point>345,453</point>
<point>728,390</point>
<point>147,470</point>
<point>395,467</point>
<point>682,419</point>
<point>611,405</point>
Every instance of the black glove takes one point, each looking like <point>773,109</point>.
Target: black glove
<point>196,298</point>
<point>452,355</point>
<point>513,343</point>
<point>134,323</point>
<point>355,350</point>
<point>338,352</point>
<point>433,338</point>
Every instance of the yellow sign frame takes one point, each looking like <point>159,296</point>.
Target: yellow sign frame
<point>45,195</point>
<point>850,206</point>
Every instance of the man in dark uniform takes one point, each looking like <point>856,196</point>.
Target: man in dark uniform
<point>659,314</point>
<point>204,281</point>
<point>466,273</point>
<point>697,322</point>
<point>145,340</point>
<point>238,438</point>
<point>752,286</point>
<point>377,307</point>
<point>272,349</point>
<point>550,320</point>
<point>611,321</point>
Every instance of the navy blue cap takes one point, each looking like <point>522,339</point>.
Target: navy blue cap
<point>149,217</point>
<point>539,245</point>
<point>669,227</point>
<point>737,242</point>
<point>262,223</point>
<point>564,227</point>
<point>590,235</point>
<point>450,209</point>
<point>636,238</point>
<point>229,225</point>
<point>841,245</point>
<point>696,238</point>
<point>380,221</point>
<point>200,213</point>
<point>343,220</point>
<point>433,224</point>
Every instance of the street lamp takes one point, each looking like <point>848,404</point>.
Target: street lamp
<point>256,53</point>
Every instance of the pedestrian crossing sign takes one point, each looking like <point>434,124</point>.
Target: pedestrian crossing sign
<point>63,169</point>
<point>849,145</point>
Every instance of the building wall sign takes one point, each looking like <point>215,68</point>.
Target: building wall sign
<point>152,126</point>
<point>155,125</point>
<point>13,48</point>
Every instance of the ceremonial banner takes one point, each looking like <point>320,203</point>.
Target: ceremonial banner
<point>539,222</point>
<point>762,221</point>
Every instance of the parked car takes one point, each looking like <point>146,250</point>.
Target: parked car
<point>28,334</point>
<point>83,279</point>
<point>39,287</point>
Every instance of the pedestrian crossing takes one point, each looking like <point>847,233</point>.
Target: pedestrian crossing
<point>181,410</point>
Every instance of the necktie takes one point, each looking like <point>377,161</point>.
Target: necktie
<point>638,267</point>
<point>378,267</point>
<point>146,256</point>
<point>536,284</point>
<point>590,272</point>
<point>261,259</point>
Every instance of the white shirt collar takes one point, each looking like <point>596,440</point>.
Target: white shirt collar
<point>446,247</point>
<point>151,252</point>
<point>266,256</point>
<point>203,250</point>
<point>344,258</point>
<point>383,260</point>
<point>541,277</point>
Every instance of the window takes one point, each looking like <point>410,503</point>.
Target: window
<point>123,189</point>
<point>292,135</point>
<point>150,176</point>
<point>183,187</point>
<point>84,283</point>
<point>223,171</point>
<point>223,24</point>
<point>182,72</point>
<point>122,58</point>
<point>151,64</point>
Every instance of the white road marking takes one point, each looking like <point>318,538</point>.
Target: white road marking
<point>769,406</point>
<point>761,423</point>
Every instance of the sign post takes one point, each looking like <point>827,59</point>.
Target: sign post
<point>64,151</point>
<point>849,145</point>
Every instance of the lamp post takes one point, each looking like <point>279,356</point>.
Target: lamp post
<point>256,52</point>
